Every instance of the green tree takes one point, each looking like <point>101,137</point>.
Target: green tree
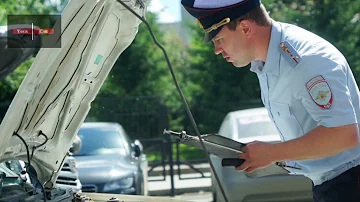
<point>127,78</point>
<point>29,7</point>
<point>339,23</point>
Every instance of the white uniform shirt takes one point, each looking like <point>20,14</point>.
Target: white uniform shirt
<point>307,82</point>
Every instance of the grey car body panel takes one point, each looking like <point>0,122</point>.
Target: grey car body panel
<point>95,169</point>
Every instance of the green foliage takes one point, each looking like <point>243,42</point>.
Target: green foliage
<point>189,153</point>
<point>185,153</point>
<point>27,7</point>
<point>12,82</point>
<point>338,22</point>
<point>137,65</point>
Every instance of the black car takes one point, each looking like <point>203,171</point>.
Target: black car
<point>109,162</point>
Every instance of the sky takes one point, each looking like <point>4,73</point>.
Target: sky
<point>169,11</point>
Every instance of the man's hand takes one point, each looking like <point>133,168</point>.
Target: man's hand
<point>319,143</point>
<point>256,155</point>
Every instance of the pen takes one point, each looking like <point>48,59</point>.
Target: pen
<point>286,166</point>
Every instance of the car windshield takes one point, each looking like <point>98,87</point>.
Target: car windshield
<point>251,126</point>
<point>98,141</point>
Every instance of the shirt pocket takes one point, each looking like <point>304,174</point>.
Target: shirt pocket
<point>286,121</point>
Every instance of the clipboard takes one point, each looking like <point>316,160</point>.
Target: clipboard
<point>226,149</point>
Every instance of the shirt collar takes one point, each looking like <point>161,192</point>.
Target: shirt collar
<point>272,64</point>
<point>257,66</point>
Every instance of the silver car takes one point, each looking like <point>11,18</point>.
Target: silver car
<point>246,126</point>
<point>109,161</point>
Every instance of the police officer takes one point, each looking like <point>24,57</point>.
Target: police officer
<point>307,87</point>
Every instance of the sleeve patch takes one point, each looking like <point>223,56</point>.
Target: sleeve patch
<point>320,92</point>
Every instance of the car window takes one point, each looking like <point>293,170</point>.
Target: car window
<point>126,140</point>
<point>255,126</point>
<point>97,141</point>
<point>225,129</point>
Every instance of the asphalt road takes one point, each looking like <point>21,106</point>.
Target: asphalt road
<point>198,196</point>
<point>186,189</point>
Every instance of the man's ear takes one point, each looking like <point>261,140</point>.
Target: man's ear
<point>245,28</point>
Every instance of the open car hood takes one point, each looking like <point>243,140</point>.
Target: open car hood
<point>55,95</point>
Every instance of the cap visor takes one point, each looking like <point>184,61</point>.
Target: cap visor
<point>209,36</point>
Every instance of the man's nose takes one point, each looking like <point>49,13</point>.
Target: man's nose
<point>217,50</point>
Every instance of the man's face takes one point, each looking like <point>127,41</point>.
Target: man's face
<point>234,46</point>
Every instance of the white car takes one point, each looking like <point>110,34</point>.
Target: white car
<point>56,94</point>
<point>69,176</point>
<point>247,126</point>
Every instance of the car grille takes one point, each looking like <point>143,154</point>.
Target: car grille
<point>89,188</point>
<point>66,167</point>
<point>66,181</point>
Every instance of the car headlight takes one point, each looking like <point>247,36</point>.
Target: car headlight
<point>73,166</point>
<point>119,184</point>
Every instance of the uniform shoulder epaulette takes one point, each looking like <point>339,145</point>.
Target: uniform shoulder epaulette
<point>289,53</point>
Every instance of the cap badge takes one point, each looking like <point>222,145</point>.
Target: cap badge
<point>214,26</point>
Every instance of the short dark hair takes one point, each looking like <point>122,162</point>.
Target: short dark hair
<point>258,15</point>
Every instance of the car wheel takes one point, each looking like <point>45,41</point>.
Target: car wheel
<point>140,188</point>
<point>214,196</point>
